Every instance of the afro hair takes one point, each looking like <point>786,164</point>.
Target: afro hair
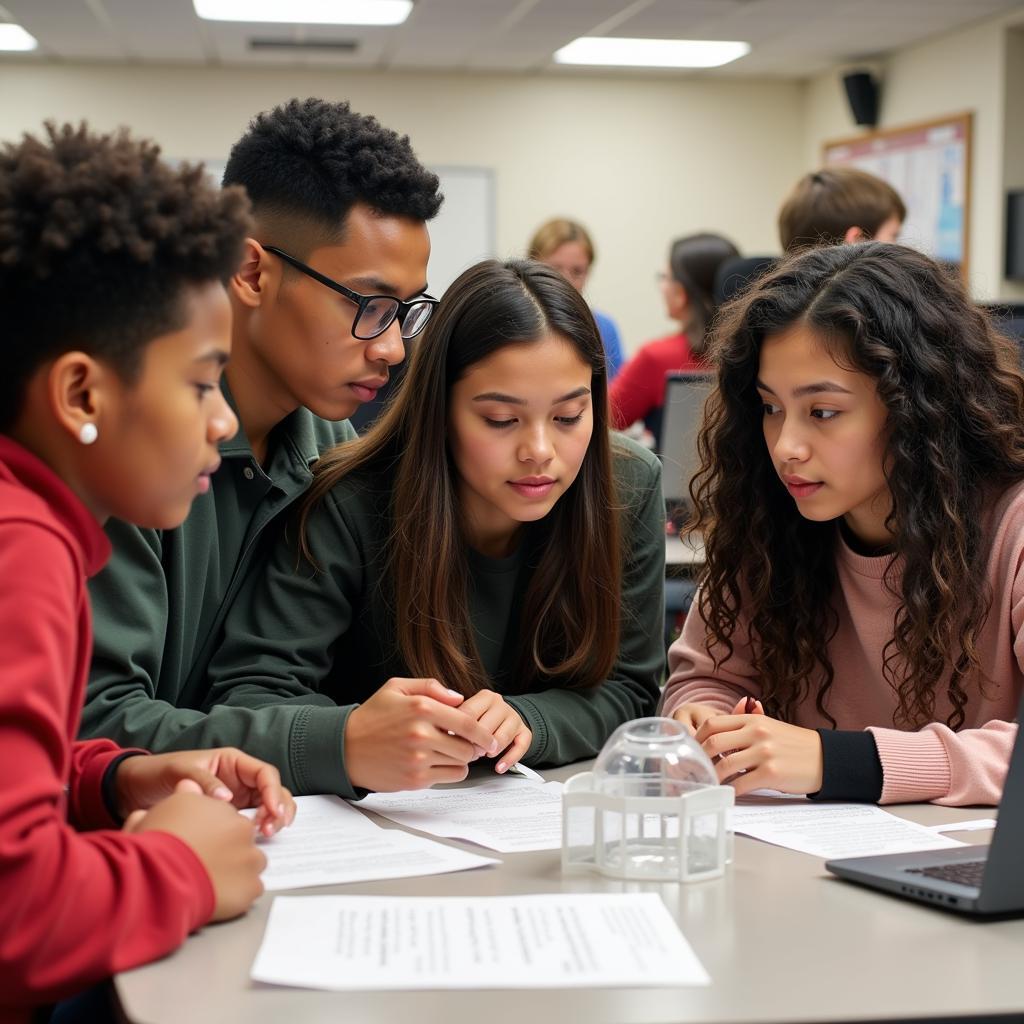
<point>99,238</point>
<point>312,161</point>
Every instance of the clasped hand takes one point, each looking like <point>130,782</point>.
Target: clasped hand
<point>193,795</point>
<point>413,733</point>
<point>753,751</point>
<point>224,773</point>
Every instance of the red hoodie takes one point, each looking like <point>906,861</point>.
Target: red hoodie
<point>75,905</point>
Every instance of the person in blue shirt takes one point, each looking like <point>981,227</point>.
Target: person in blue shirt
<point>566,245</point>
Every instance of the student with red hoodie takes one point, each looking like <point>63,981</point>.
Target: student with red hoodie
<point>116,327</point>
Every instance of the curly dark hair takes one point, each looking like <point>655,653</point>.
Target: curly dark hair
<point>955,401</point>
<point>309,161</point>
<point>98,241</point>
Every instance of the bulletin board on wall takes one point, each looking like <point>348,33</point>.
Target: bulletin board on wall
<point>929,164</point>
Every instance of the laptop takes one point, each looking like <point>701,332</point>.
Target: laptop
<point>682,415</point>
<point>975,879</point>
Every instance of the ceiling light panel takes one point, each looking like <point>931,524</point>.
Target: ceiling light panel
<point>13,38</point>
<point>609,51</point>
<point>306,12</point>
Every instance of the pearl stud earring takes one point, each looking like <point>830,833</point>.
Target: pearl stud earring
<point>88,433</point>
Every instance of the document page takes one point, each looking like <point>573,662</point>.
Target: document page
<point>550,941</point>
<point>975,825</point>
<point>330,842</point>
<point>508,815</point>
<point>835,830</point>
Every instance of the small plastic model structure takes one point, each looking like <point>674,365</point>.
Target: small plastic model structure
<point>650,809</point>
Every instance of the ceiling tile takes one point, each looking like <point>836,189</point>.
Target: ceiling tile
<point>67,29</point>
<point>790,38</point>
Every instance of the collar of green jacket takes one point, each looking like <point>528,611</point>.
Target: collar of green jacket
<point>300,437</point>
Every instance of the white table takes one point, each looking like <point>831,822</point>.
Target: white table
<point>781,939</point>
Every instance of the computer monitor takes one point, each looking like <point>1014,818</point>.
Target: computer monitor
<point>1014,269</point>
<point>1008,317</point>
<point>685,395</point>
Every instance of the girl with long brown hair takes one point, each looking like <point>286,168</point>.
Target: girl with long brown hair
<point>480,575</point>
<point>862,507</point>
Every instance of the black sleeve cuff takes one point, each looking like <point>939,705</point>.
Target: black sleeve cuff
<point>109,785</point>
<point>850,767</point>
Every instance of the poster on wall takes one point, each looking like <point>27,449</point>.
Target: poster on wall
<point>929,165</point>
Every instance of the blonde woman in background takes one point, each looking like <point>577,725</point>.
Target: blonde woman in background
<point>566,246</point>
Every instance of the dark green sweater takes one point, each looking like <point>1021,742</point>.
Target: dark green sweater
<point>327,638</point>
<point>159,605</point>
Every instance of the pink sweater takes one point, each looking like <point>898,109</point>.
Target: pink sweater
<point>933,763</point>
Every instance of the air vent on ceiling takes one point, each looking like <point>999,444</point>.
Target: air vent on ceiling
<point>306,45</point>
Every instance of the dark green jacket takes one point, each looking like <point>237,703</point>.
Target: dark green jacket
<point>328,637</point>
<point>159,605</point>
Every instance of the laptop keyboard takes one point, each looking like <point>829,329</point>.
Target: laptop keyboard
<point>968,872</point>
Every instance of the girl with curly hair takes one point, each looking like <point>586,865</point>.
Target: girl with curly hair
<point>862,506</point>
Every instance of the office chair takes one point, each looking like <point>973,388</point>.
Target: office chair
<point>734,275</point>
<point>1008,317</point>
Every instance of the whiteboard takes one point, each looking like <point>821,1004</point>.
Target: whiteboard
<point>929,165</point>
<point>463,232</point>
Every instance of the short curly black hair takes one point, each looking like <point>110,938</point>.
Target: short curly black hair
<point>99,240</point>
<point>307,162</point>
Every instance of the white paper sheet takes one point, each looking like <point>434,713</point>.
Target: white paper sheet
<point>506,814</point>
<point>974,825</point>
<point>550,941</point>
<point>835,830</point>
<point>330,843</point>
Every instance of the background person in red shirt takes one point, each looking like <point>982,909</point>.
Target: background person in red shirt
<point>687,287</point>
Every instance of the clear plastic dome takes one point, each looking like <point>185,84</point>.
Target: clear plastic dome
<point>654,757</point>
<point>650,808</point>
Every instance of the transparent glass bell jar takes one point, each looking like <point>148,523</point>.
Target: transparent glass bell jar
<point>651,808</point>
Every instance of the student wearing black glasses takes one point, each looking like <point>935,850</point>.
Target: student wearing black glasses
<point>374,313</point>
<point>330,286</point>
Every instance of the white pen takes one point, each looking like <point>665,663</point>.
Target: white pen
<point>527,773</point>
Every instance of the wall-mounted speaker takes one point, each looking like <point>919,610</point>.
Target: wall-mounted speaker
<point>862,92</point>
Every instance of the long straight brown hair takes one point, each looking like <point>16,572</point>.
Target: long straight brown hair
<point>569,625</point>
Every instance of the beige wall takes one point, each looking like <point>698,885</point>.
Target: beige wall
<point>965,70</point>
<point>639,160</point>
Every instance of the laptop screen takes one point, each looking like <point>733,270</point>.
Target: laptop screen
<point>685,395</point>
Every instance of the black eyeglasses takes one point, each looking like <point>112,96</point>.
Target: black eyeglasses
<point>376,313</point>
